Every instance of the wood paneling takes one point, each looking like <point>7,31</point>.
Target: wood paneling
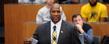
<point>20,21</point>
<point>100,29</point>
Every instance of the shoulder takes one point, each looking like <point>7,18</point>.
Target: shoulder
<point>67,25</point>
<point>101,5</point>
<point>42,9</point>
<point>44,26</point>
<point>86,26</point>
<point>85,6</point>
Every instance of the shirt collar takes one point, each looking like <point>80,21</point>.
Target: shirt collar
<point>58,23</point>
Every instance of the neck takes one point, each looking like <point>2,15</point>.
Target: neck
<point>93,5</point>
<point>55,22</point>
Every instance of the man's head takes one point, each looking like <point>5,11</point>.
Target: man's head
<point>50,2</point>
<point>77,19</point>
<point>55,13</point>
<point>93,2</point>
<point>75,1</point>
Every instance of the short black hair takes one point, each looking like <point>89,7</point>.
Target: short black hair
<point>75,15</point>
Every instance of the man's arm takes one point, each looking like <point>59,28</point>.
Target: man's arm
<point>104,14</point>
<point>89,35</point>
<point>103,19</point>
<point>35,36</point>
<point>84,14</point>
<point>39,19</point>
<point>63,14</point>
<point>75,36</point>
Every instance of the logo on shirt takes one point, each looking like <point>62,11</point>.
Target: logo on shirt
<point>93,15</point>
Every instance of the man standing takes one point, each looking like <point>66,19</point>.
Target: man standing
<point>94,12</point>
<point>56,31</point>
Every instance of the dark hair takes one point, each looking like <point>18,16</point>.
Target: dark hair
<point>75,15</point>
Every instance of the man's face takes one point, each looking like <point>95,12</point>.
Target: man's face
<point>78,20</point>
<point>93,2</point>
<point>55,15</point>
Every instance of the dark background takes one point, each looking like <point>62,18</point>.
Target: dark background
<point>1,22</point>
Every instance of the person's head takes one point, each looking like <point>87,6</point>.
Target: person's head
<point>93,2</point>
<point>75,1</point>
<point>77,19</point>
<point>50,2</point>
<point>55,13</point>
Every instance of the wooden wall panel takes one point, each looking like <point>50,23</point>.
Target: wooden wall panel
<point>70,10</point>
<point>100,29</point>
<point>18,18</point>
<point>20,21</point>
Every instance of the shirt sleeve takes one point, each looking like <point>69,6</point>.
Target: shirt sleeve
<point>83,14</point>
<point>89,35</point>
<point>63,14</point>
<point>104,12</point>
<point>39,18</point>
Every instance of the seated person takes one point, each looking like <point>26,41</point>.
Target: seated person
<point>43,14</point>
<point>39,1</point>
<point>60,1</point>
<point>83,1</point>
<point>84,29</point>
<point>32,1</point>
<point>72,2</point>
<point>94,12</point>
<point>56,31</point>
